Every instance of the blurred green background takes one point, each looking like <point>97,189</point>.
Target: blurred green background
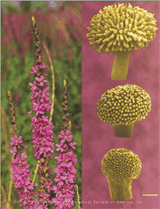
<point>59,25</point>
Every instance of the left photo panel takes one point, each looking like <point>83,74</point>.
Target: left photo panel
<point>41,110</point>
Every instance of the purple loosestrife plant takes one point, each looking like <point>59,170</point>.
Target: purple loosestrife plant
<point>43,147</point>
<point>19,167</point>
<point>42,139</point>
<point>20,172</point>
<point>42,127</point>
<point>65,173</point>
<point>42,130</point>
<point>66,161</point>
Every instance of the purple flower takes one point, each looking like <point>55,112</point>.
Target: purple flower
<point>16,140</point>
<point>20,159</point>
<point>16,143</point>
<point>65,135</point>
<point>4,207</point>
<point>44,197</point>
<point>49,185</point>
<point>71,144</point>
<point>14,151</point>
<point>35,70</point>
<point>25,198</point>
<point>59,202</point>
<point>65,172</point>
<point>61,147</point>
<point>33,85</point>
<point>40,80</point>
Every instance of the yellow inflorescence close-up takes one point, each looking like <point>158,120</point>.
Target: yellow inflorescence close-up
<point>121,28</point>
<point>124,105</point>
<point>121,165</point>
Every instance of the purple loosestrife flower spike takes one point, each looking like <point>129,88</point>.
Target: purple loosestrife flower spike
<point>66,161</point>
<point>19,167</point>
<point>42,127</point>
<point>20,175</point>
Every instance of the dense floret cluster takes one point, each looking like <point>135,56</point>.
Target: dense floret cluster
<point>121,28</point>
<point>124,105</point>
<point>42,127</point>
<point>21,176</point>
<point>65,172</point>
<point>121,165</point>
<point>42,130</point>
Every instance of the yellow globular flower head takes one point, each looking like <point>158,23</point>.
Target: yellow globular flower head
<point>121,28</point>
<point>123,105</point>
<point>121,165</point>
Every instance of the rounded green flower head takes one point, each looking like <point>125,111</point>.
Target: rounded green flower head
<point>121,28</point>
<point>121,166</point>
<point>124,105</point>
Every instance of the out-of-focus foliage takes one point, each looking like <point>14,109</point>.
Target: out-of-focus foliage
<point>60,29</point>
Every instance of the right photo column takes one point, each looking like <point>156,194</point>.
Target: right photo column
<point>120,104</point>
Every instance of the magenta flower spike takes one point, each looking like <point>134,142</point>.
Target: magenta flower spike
<point>66,161</point>
<point>65,173</point>
<point>19,167</point>
<point>21,175</point>
<point>42,127</point>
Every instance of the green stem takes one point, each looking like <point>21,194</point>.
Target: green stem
<point>120,66</point>
<point>123,130</point>
<point>122,191</point>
